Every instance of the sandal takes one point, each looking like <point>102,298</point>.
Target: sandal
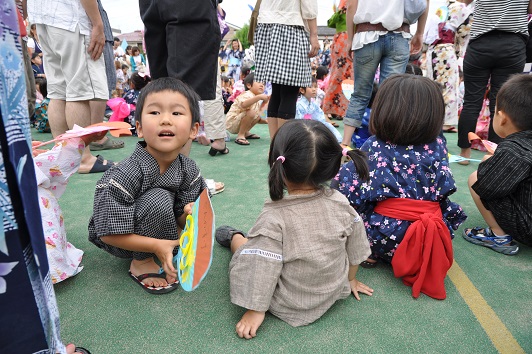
<point>334,124</point>
<point>485,237</point>
<point>214,187</point>
<point>252,136</point>
<point>241,141</point>
<point>109,144</point>
<point>367,264</point>
<point>224,235</point>
<point>213,151</point>
<point>100,165</point>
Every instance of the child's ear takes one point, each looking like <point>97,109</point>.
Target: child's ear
<point>139,129</point>
<point>503,120</point>
<point>302,90</point>
<point>194,131</point>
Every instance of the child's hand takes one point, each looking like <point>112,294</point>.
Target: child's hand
<point>187,210</point>
<point>265,98</point>
<point>249,323</point>
<point>164,252</point>
<point>357,287</point>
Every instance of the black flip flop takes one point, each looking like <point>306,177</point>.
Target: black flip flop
<point>154,289</point>
<point>241,141</point>
<point>214,151</point>
<point>252,136</point>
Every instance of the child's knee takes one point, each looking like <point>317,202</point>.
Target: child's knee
<point>472,179</point>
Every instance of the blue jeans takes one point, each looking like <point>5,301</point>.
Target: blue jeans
<point>391,51</point>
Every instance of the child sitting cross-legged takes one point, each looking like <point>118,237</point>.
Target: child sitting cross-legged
<point>405,205</point>
<point>307,108</point>
<point>141,203</point>
<point>502,185</point>
<point>302,255</point>
<point>244,113</point>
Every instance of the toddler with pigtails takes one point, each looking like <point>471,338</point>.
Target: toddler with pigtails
<point>303,252</point>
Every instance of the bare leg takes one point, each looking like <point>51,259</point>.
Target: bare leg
<point>237,241</point>
<point>247,122</point>
<point>56,117</point>
<point>486,214</point>
<point>465,152</point>
<point>97,111</point>
<point>348,133</point>
<point>273,126</point>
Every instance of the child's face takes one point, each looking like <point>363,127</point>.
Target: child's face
<point>37,60</point>
<point>310,92</point>
<point>257,88</point>
<point>166,124</point>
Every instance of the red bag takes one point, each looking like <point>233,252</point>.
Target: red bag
<point>483,123</point>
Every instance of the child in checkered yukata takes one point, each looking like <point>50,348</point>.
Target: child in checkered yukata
<point>141,203</point>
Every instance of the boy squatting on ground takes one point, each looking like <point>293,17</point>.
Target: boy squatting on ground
<point>502,185</point>
<point>244,113</point>
<point>141,203</point>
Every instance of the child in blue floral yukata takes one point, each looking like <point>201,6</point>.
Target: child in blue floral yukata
<point>308,108</point>
<point>409,174</point>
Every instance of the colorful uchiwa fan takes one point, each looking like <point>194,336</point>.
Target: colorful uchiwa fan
<point>196,244</point>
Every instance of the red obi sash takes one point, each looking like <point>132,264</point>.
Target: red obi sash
<point>425,255</point>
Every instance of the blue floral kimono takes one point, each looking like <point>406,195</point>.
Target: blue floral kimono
<point>418,172</point>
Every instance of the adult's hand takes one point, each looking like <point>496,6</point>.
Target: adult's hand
<point>416,43</point>
<point>314,46</point>
<point>97,42</point>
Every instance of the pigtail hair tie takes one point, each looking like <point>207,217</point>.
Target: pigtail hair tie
<point>281,158</point>
<point>344,151</point>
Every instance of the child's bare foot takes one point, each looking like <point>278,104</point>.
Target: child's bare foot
<point>249,323</point>
<point>139,267</point>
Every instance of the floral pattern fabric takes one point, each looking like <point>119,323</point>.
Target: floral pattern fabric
<point>335,101</point>
<point>418,172</point>
<point>52,169</point>
<point>442,58</point>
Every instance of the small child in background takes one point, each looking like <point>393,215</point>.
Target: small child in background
<point>227,91</point>
<point>53,168</point>
<point>307,108</point>
<point>141,204</point>
<point>502,185</point>
<point>322,75</point>
<point>244,113</point>
<point>362,134</point>
<point>40,117</point>
<point>120,79</point>
<point>36,63</point>
<point>137,83</point>
<point>125,71</point>
<point>410,181</point>
<point>303,252</point>
<point>238,86</point>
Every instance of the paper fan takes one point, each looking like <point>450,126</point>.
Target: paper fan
<point>490,146</point>
<point>195,247</point>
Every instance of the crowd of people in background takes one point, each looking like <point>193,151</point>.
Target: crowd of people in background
<point>398,169</point>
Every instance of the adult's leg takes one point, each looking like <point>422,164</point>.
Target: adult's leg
<point>512,50</point>
<point>154,37</point>
<point>394,57</point>
<point>192,39</point>
<point>273,108</point>
<point>478,64</point>
<point>365,65</point>
<point>214,118</point>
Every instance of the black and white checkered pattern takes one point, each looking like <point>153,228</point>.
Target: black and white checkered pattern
<point>281,55</point>
<point>133,197</point>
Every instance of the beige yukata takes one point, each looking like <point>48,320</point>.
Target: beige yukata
<point>297,259</point>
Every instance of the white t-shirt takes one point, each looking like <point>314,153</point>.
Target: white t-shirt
<point>119,52</point>
<point>390,13</point>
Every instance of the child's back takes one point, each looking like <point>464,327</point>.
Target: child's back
<point>306,243</point>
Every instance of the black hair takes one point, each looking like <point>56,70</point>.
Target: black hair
<point>408,110</point>
<point>124,66</point>
<point>34,55</point>
<point>128,48</point>
<point>245,71</point>
<point>321,72</point>
<point>225,78</point>
<point>249,80</point>
<point>139,81</point>
<point>313,81</point>
<point>515,101</point>
<point>135,48</point>
<point>413,69</point>
<point>43,86</point>
<point>173,85</point>
<point>312,156</point>
<point>116,39</point>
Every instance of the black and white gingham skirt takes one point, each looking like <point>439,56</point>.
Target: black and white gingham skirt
<point>281,55</point>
